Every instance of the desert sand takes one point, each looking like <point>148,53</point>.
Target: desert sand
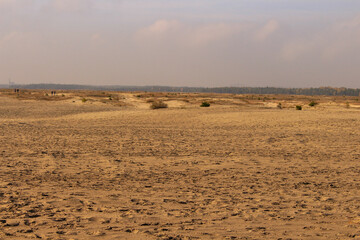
<point>103,165</point>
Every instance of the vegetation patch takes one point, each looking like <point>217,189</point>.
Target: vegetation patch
<point>205,104</point>
<point>158,104</point>
<point>313,104</point>
<point>298,107</point>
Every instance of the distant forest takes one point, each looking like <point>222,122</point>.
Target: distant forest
<point>329,91</point>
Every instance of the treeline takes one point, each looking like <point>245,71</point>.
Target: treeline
<point>329,91</point>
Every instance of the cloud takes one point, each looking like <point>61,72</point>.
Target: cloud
<point>11,38</point>
<point>6,2</point>
<point>16,4</point>
<point>62,5</point>
<point>18,45</point>
<point>96,40</point>
<point>207,34</point>
<point>43,6</point>
<point>71,5</point>
<point>160,27</point>
<point>269,28</point>
<point>95,37</point>
<point>342,38</point>
<point>295,50</point>
<point>175,32</point>
<point>339,40</point>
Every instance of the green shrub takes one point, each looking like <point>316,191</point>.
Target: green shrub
<point>83,100</point>
<point>298,107</point>
<point>313,104</point>
<point>158,104</point>
<point>205,104</point>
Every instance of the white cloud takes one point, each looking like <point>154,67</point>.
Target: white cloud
<point>71,5</point>
<point>160,27</point>
<point>19,45</point>
<point>339,40</point>
<point>160,32</point>
<point>6,2</point>
<point>212,33</point>
<point>63,5</point>
<point>95,37</point>
<point>10,38</point>
<point>269,28</point>
<point>342,38</point>
<point>178,33</point>
<point>96,40</point>
<point>296,49</point>
<point>16,4</point>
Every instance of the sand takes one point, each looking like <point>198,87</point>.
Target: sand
<point>240,169</point>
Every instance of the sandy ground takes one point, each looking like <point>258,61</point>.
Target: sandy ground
<point>89,170</point>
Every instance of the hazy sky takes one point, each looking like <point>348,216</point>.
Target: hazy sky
<point>282,43</point>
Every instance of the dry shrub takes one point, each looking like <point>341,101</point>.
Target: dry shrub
<point>158,104</point>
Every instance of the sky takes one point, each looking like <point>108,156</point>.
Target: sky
<point>200,43</point>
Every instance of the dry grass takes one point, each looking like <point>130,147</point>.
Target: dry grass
<point>158,104</point>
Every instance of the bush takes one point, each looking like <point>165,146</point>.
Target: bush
<point>298,107</point>
<point>83,100</point>
<point>313,104</point>
<point>158,104</point>
<point>205,104</point>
